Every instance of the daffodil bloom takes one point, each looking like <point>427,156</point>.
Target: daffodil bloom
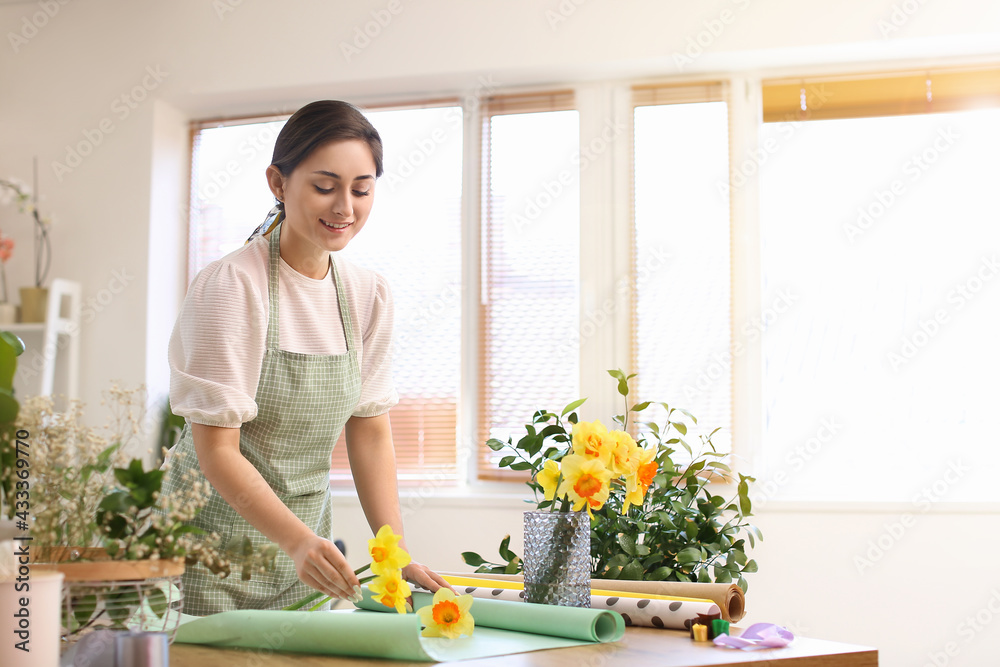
<point>638,483</point>
<point>447,615</point>
<point>591,439</point>
<point>548,477</point>
<point>587,483</point>
<point>391,590</point>
<point>385,552</point>
<point>624,459</point>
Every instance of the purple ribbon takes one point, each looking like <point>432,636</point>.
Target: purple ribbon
<point>758,635</point>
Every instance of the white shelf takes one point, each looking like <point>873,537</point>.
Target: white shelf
<point>60,337</point>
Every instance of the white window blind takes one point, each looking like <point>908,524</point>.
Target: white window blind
<point>412,238</point>
<point>529,348</point>
<point>681,323</point>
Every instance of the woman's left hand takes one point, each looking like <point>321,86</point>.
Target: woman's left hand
<point>421,575</point>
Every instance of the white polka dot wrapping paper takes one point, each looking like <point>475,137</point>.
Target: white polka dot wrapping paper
<point>653,612</point>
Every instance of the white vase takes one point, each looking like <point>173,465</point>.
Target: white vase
<point>8,313</point>
<point>37,621</point>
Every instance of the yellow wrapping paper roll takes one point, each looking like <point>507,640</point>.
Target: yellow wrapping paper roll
<point>729,597</point>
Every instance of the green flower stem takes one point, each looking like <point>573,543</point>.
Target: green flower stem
<point>362,568</point>
<point>304,601</point>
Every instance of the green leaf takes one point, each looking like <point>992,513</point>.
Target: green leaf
<point>689,555</point>
<point>157,602</point>
<point>639,407</point>
<point>15,342</point>
<point>680,426</point>
<point>618,560</point>
<point>521,465</point>
<point>632,571</point>
<point>751,566</point>
<point>506,461</point>
<point>627,543</point>
<point>743,492</point>
<point>472,558</point>
<point>623,390</point>
<point>83,608</point>
<point>513,567</point>
<point>495,445</point>
<point>659,574</point>
<point>505,551</point>
<point>572,406</point>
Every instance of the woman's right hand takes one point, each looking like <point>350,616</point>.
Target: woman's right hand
<point>319,564</point>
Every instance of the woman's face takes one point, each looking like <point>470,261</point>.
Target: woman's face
<point>329,195</point>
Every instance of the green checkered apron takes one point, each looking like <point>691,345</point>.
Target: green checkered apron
<point>303,402</point>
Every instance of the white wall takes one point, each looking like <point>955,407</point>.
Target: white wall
<point>67,63</point>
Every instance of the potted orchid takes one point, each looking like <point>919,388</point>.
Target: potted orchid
<point>8,311</point>
<point>33,298</point>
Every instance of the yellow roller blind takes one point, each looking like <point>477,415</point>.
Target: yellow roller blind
<point>886,94</point>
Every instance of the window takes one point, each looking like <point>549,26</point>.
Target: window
<point>879,237</point>
<point>530,266</point>
<point>413,238</point>
<point>681,327</point>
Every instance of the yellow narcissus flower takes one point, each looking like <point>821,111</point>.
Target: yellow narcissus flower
<point>548,477</point>
<point>385,552</point>
<point>587,482</point>
<point>591,439</point>
<point>638,483</point>
<point>391,590</point>
<point>447,615</point>
<point>625,453</point>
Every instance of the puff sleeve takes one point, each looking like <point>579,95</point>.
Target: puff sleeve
<point>378,392</point>
<point>217,347</point>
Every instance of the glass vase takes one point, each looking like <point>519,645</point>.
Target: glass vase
<point>557,563</point>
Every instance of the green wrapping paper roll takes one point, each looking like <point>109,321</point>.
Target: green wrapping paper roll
<point>502,628</point>
<point>589,625</point>
<point>323,633</point>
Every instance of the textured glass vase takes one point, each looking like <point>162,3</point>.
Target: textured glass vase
<point>557,558</point>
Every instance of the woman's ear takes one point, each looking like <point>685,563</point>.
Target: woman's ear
<point>276,182</point>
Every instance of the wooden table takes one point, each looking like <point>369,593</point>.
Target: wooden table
<point>646,647</point>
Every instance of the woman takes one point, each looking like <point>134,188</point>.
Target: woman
<point>264,403</point>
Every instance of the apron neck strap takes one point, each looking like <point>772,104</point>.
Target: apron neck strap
<point>272,294</point>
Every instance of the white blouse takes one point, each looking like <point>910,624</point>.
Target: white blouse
<point>217,345</point>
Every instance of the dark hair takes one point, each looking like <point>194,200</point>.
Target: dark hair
<point>317,124</point>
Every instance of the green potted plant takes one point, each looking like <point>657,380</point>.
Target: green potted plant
<point>99,517</point>
<point>666,522</point>
<point>11,348</point>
